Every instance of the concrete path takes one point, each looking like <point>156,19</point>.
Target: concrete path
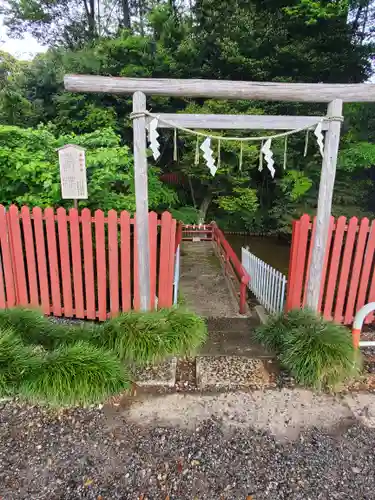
<point>202,283</point>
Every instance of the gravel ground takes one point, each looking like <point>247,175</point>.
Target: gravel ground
<point>101,453</point>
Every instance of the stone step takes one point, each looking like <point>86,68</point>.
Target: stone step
<point>237,324</point>
<point>233,344</point>
<point>232,372</point>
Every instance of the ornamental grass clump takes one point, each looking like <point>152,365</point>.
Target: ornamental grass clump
<point>318,353</point>
<point>83,363</point>
<point>274,333</point>
<point>30,324</point>
<point>16,359</point>
<point>35,328</point>
<point>75,374</point>
<point>140,338</point>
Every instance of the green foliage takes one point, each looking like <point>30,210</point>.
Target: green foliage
<point>274,333</point>
<point>77,374</point>
<point>36,329</point>
<point>187,215</point>
<point>299,41</point>
<point>15,360</point>
<point>59,364</point>
<point>30,172</point>
<point>244,199</point>
<point>141,338</point>
<point>318,353</point>
<point>32,326</point>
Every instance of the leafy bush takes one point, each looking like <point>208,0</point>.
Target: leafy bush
<point>187,215</point>
<point>318,353</point>
<point>29,169</point>
<point>142,338</point>
<point>79,373</point>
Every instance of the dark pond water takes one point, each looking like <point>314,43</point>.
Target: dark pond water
<point>272,250</point>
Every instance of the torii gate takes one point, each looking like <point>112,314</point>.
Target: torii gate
<point>333,94</point>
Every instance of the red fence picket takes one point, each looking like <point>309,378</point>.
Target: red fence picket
<point>348,280</point>
<point>81,265</point>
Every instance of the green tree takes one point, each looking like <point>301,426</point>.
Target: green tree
<point>30,172</point>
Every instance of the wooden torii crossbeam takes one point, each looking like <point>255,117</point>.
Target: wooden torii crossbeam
<point>333,94</point>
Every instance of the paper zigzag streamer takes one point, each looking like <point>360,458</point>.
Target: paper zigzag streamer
<point>268,156</point>
<point>319,137</point>
<point>153,138</point>
<point>208,155</point>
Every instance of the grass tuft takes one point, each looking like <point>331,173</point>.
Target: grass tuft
<point>73,364</point>
<point>142,338</point>
<point>187,331</point>
<point>75,374</point>
<point>36,329</point>
<point>274,333</point>
<point>30,324</point>
<point>15,360</point>
<point>318,353</point>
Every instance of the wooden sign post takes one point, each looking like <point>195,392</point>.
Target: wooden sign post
<point>73,173</point>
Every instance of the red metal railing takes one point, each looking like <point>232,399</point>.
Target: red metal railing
<point>232,263</point>
<point>202,231</point>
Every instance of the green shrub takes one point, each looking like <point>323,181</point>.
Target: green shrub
<point>15,360</point>
<point>142,338</point>
<point>318,353</point>
<point>187,215</point>
<point>74,374</point>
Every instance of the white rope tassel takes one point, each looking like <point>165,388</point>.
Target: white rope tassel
<point>285,152</point>
<point>175,145</point>
<point>153,138</point>
<point>306,143</point>
<point>196,159</point>
<point>268,156</point>
<point>218,154</point>
<point>241,157</point>
<point>260,168</point>
<point>319,137</point>
<point>208,155</point>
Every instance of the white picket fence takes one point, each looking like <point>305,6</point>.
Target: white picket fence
<point>267,284</point>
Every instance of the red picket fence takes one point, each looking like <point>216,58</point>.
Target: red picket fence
<point>349,267</point>
<point>79,265</point>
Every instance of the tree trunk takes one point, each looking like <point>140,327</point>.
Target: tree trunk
<point>90,13</point>
<point>125,8</point>
<point>204,208</point>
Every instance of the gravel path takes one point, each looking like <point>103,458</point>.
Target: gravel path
<point>102,454</point>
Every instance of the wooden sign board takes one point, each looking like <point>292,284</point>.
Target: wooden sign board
<point>73,172</point>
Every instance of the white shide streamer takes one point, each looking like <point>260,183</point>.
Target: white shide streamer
<point>206,145</point>
<point>268,156</point>
<point>319,137</point>
<point>153,135</point>
<point>208,155</point>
